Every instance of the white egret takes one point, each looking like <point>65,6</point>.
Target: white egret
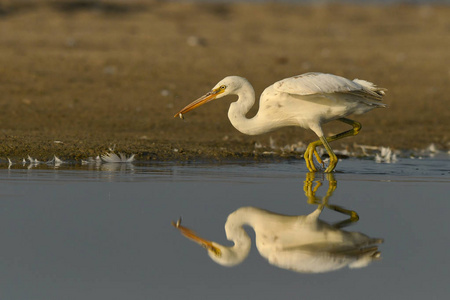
<point>309,101</point>
<point>299,243</point>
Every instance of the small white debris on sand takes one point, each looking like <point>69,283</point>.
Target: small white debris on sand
<point>258,145</point>
<point>114,158</point>
<point>386,156</point>
<point>195,41</point>
<point>57,160</point>
<point>33,160</point>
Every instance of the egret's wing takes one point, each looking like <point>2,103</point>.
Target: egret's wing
<point>320,83</point>
<point>316,259</point>
<point>337,248</point>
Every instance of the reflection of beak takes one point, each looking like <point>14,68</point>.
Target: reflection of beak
<point>193,236</point>
<point>200,101</point>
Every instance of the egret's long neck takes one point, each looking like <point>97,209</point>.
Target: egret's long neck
<point>239,109</point>
<point>242,243</point>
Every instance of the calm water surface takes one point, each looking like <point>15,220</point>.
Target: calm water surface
<point>105,232</point>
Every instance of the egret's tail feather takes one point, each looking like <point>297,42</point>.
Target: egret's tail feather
<point>371,87</point>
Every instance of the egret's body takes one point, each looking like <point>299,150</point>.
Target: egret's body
<point>307,101</point>
<point>298,243</point>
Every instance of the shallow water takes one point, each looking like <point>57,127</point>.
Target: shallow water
<point>104,232</point>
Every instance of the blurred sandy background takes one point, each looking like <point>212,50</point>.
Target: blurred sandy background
<point>79,77</point>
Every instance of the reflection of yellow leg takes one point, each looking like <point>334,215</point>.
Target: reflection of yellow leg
<point>332,185</point>
<point>310,193</point>
<point>353,216</point>
<point>311,149</point>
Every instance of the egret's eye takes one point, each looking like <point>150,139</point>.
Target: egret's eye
<point>222,87</point>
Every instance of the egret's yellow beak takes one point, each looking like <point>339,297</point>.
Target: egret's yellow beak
<point>200,101</point>
<point>194,237</point>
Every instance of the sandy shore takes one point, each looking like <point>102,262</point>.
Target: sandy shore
<point>76,80</point>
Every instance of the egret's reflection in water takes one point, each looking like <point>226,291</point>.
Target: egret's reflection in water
<point>300,243</point>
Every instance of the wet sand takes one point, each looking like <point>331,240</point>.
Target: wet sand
<point>78,79</point>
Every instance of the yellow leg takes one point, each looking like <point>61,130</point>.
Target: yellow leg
<point>319,159</point>
<point>354,131</point>
<point>309,156</point>
<point>311,150</point>
<point>333,157</point>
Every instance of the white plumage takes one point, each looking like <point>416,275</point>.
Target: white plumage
<point>308,100</point>
<point>319,83</point>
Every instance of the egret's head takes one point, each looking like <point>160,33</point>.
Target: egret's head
<point>225,256</point>
<point>228,85</point>
<point>208,245</point>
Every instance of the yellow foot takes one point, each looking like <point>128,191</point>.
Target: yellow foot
<point>331,166</point>
<point>308,156</point>
<point>310,152</point>
<point>319,159</point>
